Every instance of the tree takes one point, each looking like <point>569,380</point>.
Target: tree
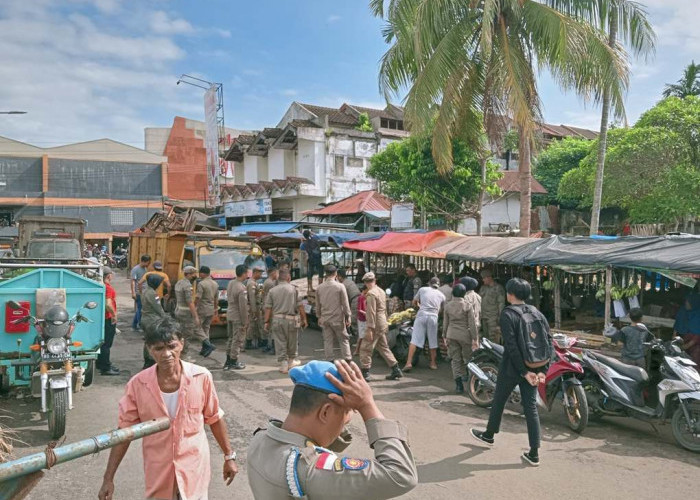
<point>688,85</point>
<point>552,163</point>
<point>652,168</point>
<point>476,60</point>
<point>406,171</point>
<point>363,123</point>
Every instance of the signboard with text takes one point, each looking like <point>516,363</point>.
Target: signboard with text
<point>248,208</point>
<point>402,216</point>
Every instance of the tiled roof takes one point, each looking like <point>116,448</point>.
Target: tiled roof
<point>347,114</point>
<point>510,183</point>
<point>364,201</point>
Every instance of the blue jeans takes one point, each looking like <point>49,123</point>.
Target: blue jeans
<point>137,313</point>
<point>507,380</point>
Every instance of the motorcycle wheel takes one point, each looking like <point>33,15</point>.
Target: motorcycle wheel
<point>591,389</point>
<point>58,407</point>
<point>89,375</point>
<point>478,392</point>
<point>122,264</point>
<point>577,411</point>
<point>681,431</point>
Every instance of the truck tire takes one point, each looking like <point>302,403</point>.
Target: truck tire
<point>89,375</point>
<point>58,408</point>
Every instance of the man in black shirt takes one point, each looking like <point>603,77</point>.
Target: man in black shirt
<point>514,372</point>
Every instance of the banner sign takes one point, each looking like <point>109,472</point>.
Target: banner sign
<point>248,208</point>
<point>402,216</point>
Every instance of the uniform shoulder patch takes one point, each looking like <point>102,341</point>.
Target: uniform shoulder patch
<point>325,461</point>
<point>353,463</point>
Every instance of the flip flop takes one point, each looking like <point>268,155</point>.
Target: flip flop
<point>433,367</point>
<point>407,369</point>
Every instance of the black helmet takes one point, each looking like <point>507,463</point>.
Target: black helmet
<point>56,322</point>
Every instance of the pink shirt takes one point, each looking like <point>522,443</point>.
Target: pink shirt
<point>362,307</point>
<point>180,453</point>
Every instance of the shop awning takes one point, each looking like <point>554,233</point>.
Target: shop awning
<point>403,243</point>
<point>293,240</point>
<point>487,248</point>
<point>260,228</point>
<point>673,253</point>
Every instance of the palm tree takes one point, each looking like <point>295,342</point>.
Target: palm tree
<point>478,59</point>
<point>688,85</point>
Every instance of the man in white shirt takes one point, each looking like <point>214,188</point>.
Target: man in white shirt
<point>430,300</point>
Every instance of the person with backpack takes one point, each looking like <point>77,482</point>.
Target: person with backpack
<point>528,349</point>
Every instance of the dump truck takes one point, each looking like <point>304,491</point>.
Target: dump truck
<point>42,237</point>
<point>216,250</point>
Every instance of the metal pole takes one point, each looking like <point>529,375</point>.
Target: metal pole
<point>608,286</point>
<point>557,297</point>
<point>38,461</point>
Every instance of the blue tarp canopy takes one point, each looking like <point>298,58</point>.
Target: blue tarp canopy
<point>293,240</point>
<point>264,227</point>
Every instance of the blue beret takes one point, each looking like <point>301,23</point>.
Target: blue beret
<point>313,375</point>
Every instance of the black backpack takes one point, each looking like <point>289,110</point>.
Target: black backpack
<point>533,339</point>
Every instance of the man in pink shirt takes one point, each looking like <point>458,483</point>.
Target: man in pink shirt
<point>175,461</point>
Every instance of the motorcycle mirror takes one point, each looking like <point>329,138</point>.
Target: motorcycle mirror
<point>14,305</point>
<point>90,305</point>
<point>388,292</point>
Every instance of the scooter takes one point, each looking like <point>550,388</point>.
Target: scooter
<point>669,390</point>
<point>54,361</point>
<point>562,377</point>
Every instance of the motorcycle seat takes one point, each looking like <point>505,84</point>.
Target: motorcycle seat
<point>634,372</point>
<point>496,347</point>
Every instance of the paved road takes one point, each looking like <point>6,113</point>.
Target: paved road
<point>615,459</point>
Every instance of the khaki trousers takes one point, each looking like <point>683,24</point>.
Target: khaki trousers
<point>378,342</point>
<point>236,336</point>
<point>286,336</point>
<point>256,330</point>
<point>490,329</point>
<point>459,351</point>
<point>190,329</point>
<point>331,333</point>
<point>205,321</point>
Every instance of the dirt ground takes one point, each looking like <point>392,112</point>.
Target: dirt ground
<point>617,458</point>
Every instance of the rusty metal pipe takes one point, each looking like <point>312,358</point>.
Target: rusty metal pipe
<point>38,461</point>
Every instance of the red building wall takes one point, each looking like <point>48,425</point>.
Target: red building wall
<point>187,163</point>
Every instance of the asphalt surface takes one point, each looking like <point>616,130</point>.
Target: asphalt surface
<point>617,458</point>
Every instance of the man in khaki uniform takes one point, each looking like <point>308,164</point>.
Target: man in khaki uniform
<point>353,295</point>
<point>237,318</point>
<point>493,300</point>
<point>207,301</point>
<point>268,344</point>
<point>376,330</point>
<point>284,314</point>
<point>300,457</point>
<point>460,324</point>
<point>255,310</point>
<point>333,312</point>
<point>186,312</point>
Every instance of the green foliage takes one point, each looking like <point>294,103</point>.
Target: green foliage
<point>364,125</point>
<point>555,161</point>
<point>651,170</point>
<point>406,172</point>
<point>689,83</point>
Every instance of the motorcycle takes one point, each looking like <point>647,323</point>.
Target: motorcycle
<point>670,389</point>
<point>120,261</point>
<point>399,338</point>
<point>53,360</point>
<point>562,378</point>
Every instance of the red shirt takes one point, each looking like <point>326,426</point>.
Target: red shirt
<point>361,307</point>
<point>110,294</point>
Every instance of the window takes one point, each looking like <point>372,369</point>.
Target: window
<point>355,162</point>
<point>339,169</point>
<point>384,123</point>
<point>121,217</point>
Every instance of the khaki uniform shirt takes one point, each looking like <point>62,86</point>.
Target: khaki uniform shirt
<point>183,295</point>
<point>493,300</point>
<point>461,318</point>
<point>332,305</point>
<point>283,465</point>
<point>283,299</point>
<point>376,309</point>
<point>237,302</point>
<point>267,286</point>
<point>254,304</point>
<point>151,311</point>
<point>207,297</point>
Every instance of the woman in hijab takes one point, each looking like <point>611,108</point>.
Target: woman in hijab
<point>688,326</point>
<point>152,312</point>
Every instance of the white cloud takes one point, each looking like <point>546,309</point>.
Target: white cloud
<point>289,92</point>
<point>675,22</point>
<point>222,33</point>
<point>163,24</point>
<point>333,18</point>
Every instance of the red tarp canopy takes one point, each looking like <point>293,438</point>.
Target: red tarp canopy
<point>418,244</point>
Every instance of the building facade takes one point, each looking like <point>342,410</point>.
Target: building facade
<point>113,186</point>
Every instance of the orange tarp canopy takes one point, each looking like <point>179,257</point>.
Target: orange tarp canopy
<point>418,244</point>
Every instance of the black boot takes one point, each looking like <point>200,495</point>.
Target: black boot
<point>227,365</point>
<point>236,365</point>
<point>271,350</point>
<point>262,344</point>
<point>249,345</point>
<point>395,374</point>
<point>459,386</point>
<point>207,348</point>
<point>366,375</point>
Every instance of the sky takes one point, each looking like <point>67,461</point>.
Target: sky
<point>88,69</point>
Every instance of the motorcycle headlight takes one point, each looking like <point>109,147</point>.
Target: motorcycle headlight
<point>56,346</point>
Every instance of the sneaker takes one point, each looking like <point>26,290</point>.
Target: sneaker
<point>533,461</point>
<point>236,365</point>
<point>479,436</point>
